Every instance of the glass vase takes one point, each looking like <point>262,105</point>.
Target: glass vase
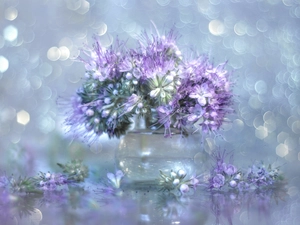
<point>143,152</point>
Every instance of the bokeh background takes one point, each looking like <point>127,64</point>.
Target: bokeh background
<point>41,39</point>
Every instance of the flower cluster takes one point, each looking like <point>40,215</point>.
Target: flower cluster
<point>4,181</point>
<point>22,185</point>
<point>177,181</point>
<point>75,170</point>
<point>152,80</point>
<point>48,181</point>
<point>227,175</point>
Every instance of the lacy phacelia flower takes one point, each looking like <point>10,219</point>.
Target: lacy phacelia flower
<point>204,97</point>
<point>177,181</point>
<point>50,181</point>
<point>152,80</point>
<point>75,171</point>
<point>4,181</point>
<point>218,181</point>
<point>23,184</point>
<point>227,175</point>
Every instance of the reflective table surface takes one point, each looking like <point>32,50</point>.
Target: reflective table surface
<point>94,202</point>
<point>39,42</point>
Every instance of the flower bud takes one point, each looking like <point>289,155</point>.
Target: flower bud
<point>170,78</point>
<point>238,176</point>
<point>128,76</point>
<point>89,112</point>
<point>173,174</point>
<point>105,113</point>
<point>178,53</point>
<point>176,181</point>
<point>140,105</point>
<point>107,100</point>
<point>181,173</point>
<point>232,183</point>
<point>154,92</point>
<point>184,188</point>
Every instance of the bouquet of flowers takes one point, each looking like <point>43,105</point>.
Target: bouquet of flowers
<point>152,81</point>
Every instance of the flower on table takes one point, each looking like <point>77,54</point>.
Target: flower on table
<point>115,179</point>
<point>227,175</point>
<point>112,185</point>
<point>4,181</point>
<point>230,169</point>
<point>218,181</point>
<point>258,175</point>
<point>75,170</point>
<point>23,185</point>
<point>50,181</point>
<point>177,181</point>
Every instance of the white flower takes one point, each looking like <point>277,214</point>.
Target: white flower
<point>115,179</point>
<point>173,174</point>
<point>129,76</point>
<point>181,173</point>
<point>232,183</point>
<point>47,175</point>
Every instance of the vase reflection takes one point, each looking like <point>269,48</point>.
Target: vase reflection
<point>143,153</point>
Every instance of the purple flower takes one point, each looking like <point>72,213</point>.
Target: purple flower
<point>131,103</point>
<point>202,93</point>
<point>198,88</point>
<point>4,181</point>
<point>230,169</point>
<point>196,113</point>
<point>243,186</point>
<point>194,182</point>
<point>258,175</point>
<point>50,182</point>
<point>157,45</point>
<point>164,114</point>
<point>218,181</point>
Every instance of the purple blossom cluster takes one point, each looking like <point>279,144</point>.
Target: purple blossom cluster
<point>227,175</point>
<point>51,181</point>
<point>152,80</point>
<point>4,181</point>
<point>73,172</point>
